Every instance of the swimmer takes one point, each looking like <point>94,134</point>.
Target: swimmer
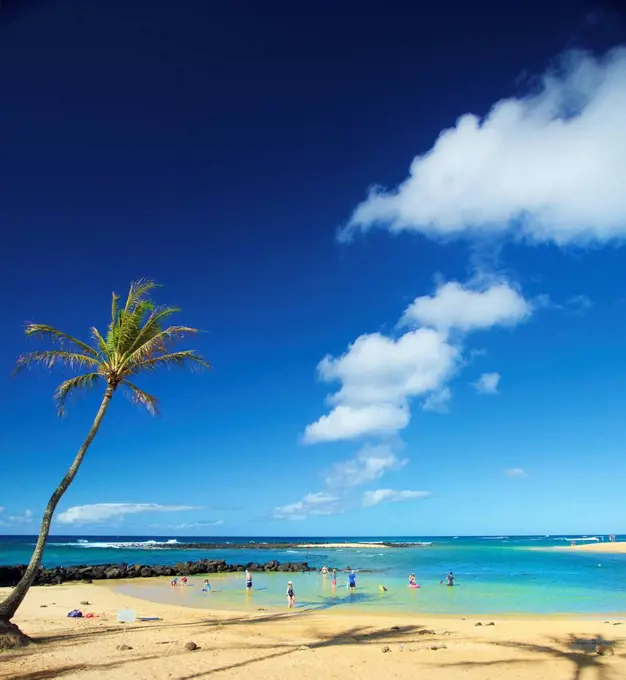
<point>248,580</point>
<point>352,581</point>
<point>334,581</point>
<point>324,570</point>
<point>412,583</point>
<point>174,582</point>
<point>382,589</point>
<point>183,581</point>
<point>449,579</point>
<point>207,586</point>
<point>291,597</point>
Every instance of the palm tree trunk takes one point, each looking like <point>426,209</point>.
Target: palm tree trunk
<point>10,635</point>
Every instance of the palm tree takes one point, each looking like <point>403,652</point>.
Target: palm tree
<point>137,340</point>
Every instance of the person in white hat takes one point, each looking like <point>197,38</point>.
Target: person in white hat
<point>291,596</point>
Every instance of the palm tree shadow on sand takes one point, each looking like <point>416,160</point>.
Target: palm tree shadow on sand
<point>587,656</point>
<point>360,635</point>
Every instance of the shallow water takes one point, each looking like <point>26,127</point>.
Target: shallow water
<point>494,574</point>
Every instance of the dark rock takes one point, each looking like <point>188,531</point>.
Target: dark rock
<point>124,648</point>
<point>478,624</point>
<point>426,631</point>
<point>86,603</point>
<point>145,572</point>
<point>491,623</point>
<point>386,649</point>
<point>113,572</point>
<point>191,646</point>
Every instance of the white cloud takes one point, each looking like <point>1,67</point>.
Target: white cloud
<point>101,512</point>
<point>321,503</point>
<point>468,308</point>
<point>378,374</point>
<point>198,525</point>
<point>26,518</point>
<point>389,495</point>
<point>370,463</point>
<point>547,166</point>
<point>488,383</point>
<point>516,472</point>
<point>438,401</point>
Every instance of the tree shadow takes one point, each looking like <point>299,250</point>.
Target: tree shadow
<point>581,652</point>
<point>353,636</point>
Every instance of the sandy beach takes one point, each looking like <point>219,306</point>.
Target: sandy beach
<point>304,643</point>
<point>616,548</point>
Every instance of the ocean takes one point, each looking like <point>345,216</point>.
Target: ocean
<point>494,574</point>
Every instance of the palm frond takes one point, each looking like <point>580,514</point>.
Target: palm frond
<point>79,382</point>
<point>57,335</point>
<point>178,359</point>
<point>130,325</point>
<point>143,398</point>
<point>138,292</point>
<point>159,344</point>
<point>100,341</point>
<point>50,357</point>
<point>152,325</point>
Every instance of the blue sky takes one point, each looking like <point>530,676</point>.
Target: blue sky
<point>442,354</point>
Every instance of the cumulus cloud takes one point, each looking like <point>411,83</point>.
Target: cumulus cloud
<point>488,383</point>
<point>467,308</point>
<point>370,463</point>
<point>516,472</point>
<point>390,496</point>
<point>101,512</point>
<point>545,166</point>
<point>379,374</point>
<point>321,503</point>
<point>25,518</point>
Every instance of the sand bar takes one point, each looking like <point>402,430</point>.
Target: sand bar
<point>617,548</point>
<point>305,644</point>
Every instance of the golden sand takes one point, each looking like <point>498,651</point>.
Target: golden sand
<point>302,644</point>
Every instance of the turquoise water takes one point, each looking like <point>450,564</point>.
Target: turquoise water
<point>494,574</point>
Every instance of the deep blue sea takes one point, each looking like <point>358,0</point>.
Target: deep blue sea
<point>495,574</point>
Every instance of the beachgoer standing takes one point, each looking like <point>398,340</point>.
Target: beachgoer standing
<point>248,580</point>
<point>352,581</point>
<point>207,586</point>
<point>450,579</point>
<point>334,581</point>
<point>324,570</point>
<point>183,580</point>
<point>291,596</point>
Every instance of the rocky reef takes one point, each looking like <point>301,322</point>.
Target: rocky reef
<point>10,575</point>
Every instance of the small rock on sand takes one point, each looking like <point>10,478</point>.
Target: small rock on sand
<point>491,623</point>
<point>386,649</point>
<point>85,602</point>
<point>123,648</point>
<point>436,647</point>
<point>478,624</point>
<point>426,631</point>
<point>303,648</point>
<point>191,646</point>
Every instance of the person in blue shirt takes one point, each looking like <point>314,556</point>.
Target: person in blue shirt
<point>352,581</point>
